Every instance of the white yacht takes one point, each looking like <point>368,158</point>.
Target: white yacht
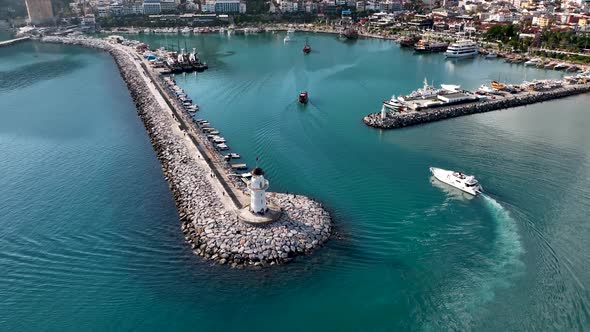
<point>289,37</point>
<point>185,30</point>
<point>461,181</point>
<point>462,48</point>
<point>561,66</point>
<point>533,62</point>
<point>393,104</point>
<point>426,92</point>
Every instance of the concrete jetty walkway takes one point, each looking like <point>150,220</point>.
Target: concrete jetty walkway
<point>237,199</point>
<point>232,198</point>
<point>13,41</point>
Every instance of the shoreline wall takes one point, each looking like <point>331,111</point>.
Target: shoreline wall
<point>211,230</point>
<point>395,120</point>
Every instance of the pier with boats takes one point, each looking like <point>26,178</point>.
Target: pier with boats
<point>430,104</point>
<point>170,61</point>
<point>215,205</point>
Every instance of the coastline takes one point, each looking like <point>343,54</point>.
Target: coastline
<point>209,218</point>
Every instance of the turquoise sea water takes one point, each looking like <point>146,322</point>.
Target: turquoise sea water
<point>4,35</point>
<point>90,237</point>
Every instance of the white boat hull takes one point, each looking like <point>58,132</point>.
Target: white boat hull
<point>462,55</point>
<point>447,177</point>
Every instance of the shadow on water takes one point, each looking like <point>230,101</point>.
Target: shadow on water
<point>27,75</point>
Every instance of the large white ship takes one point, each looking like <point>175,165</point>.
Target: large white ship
<point>462,48</point>
<point>461,181</point>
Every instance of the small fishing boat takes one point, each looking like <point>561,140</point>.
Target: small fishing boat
<point>306,48</point>
<point>231,155</point>
<point>239,166</point>
<point>303,97</point>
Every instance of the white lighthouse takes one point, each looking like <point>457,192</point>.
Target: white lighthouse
<point>258,186</point>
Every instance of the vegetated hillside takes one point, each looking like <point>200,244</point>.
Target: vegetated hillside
<point>257,6</point>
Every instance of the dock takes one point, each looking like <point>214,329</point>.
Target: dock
<point>393,120</point>
<point>13,41</point>
<point>211,201</point>
<point>239,166</point>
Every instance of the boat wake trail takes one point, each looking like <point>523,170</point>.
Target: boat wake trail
<point>465,299</point>
<point>505,261</point>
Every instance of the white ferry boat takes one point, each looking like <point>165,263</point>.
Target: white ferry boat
<point>462,48</point>
<point>466,183</point>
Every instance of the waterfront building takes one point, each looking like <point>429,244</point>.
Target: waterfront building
<point>541,21</point>
<point>287,6</point>
<point>391,6</point>
<point>360,6</point>
<point>135,8</point>
<point>88,20</point>
<point>502,16</point>
<point>225,6</point>
<point>117,9</point>
<point>257,187</point>
<point>151,7</point>
<point>310,7</point>
<point>103,11</point>
<point>167,6</point>
<point>192,6</point>
<point>39,11</point>
<point>516,3</point>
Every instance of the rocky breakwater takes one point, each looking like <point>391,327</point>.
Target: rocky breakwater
<point>211,229</point>
<point>394,120</point>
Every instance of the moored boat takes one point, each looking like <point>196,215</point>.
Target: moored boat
<point>498,86</point>
<point>533,62</point>
<point>424,46</point>
<point>408,41</point>
<point>306,48</point>
<point>462,49</point>
<point>303,97</point>
<point>561,66</point>
<point>350,33</point>
<point>550,65</point>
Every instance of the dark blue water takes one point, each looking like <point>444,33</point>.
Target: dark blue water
<point>90,237</point>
